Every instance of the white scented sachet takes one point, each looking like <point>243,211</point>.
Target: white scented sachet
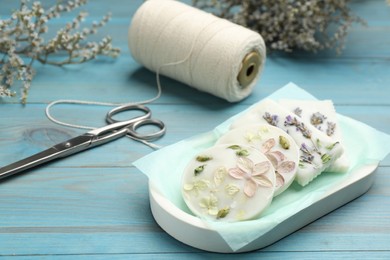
<point>322,115</point>
<point>317,150</point>
<point>273,142</point>
<point>228,183</point>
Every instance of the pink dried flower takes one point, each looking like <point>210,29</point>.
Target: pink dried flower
<point>253,174</point>
<point>277,159</point>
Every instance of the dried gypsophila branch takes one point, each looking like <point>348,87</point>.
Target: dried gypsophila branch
<point>287,25</point>
<point>21,43</point>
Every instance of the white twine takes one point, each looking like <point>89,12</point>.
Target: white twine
<point>85,102</point>
<point>163,31</point>
<point>189,45</point>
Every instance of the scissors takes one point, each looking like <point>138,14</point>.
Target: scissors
<point>114,130</point>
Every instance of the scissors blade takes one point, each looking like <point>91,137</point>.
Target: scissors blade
<point>60,150</point>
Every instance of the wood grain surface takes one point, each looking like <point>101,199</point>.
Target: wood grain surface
<point>95,204</point>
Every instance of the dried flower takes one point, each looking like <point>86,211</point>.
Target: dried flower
<point>331,128</point>
<point>253,174</point>
<point>239,150</point>
<point>231,189</point>
<point>199,169</point>
<point>298,111</point>
<point>210,204</point>
<point>223,212</point>
<point>219,175</point>
<point>306,155</point>
<point>267,145</point>
<point>242,152</point>
<point>283,141</point>
<point>234,147</point>
<point>271,119</point>
<point>290,121</point>
<point>197,186</point>
<point>317,119</point>
<point>326,158</point>
<point>22,42</point>
<point>203,158</point>
<point>287,25</point>
<point>277,159</point>
<point>330,147</point>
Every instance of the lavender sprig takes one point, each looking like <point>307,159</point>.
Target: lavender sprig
<point>271,119</point>
<point>293,121</point>
<point>306,155</point>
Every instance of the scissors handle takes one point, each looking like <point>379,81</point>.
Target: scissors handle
<point>138,122</point>
<point>110,115</point>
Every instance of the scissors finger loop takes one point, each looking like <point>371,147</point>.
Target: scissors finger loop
<point>117,110</point>
<point>147,137</point>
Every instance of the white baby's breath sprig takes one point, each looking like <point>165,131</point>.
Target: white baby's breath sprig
<point>308,25</point>
<point>22,42</point>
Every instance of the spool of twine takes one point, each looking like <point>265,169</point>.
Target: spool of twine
<point>197,48</point>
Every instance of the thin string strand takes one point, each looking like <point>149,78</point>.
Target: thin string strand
<point>97,103</point>
<point>85,102</point>
<point>143,102</point>
<point>160,34</point>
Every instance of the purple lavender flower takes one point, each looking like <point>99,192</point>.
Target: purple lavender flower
<point>306,155</point>
<point>271,119</point>
<point>290,121</point>
<point>305,149</point>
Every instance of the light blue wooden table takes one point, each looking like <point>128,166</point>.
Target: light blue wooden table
<point>95,204</point>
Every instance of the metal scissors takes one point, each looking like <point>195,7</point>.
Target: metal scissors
<point>114,130</point>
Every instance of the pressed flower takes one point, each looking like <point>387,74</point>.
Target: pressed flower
<point>331,128</point>
<point>306,155</point>
<point>281,166</point>
<point>231,189</point>
<point>210,204</point>
<point>317,119</point>
<point>277,159</point>
<point>197,186</point>
<point>199,169</point>
<point>203,158</point>
<point>267,145</point>
<point>283,141</point>
<point>250,137</point>
<point>293,121</point>
<point>235,147</point>
<point>219,175</point>
<point>263,129</point>
<point>298,111</point>
<point>242,152</point>
<point>271,119</point>
<point>223,212</point>
<point>326,158</point>
<point>253,174</point>
<point>304,148</point>
<point>330,147</point>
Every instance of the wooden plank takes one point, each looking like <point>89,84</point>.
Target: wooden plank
<point>198,255</point>
<point>93,211</point>
<point>347,81</point>
<point>30,132</point>
<point>359,74</point>
<point>95,204</point>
